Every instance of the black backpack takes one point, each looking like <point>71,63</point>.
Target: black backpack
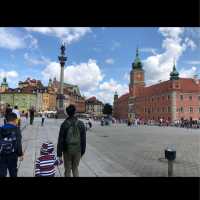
<point>8,141</point>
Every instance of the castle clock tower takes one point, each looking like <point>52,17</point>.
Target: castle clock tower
<point>136,76</point>
<point>136,85</point>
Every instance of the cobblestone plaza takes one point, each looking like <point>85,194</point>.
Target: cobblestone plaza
<point>120,151</point>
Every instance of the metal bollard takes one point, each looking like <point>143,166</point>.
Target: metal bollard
<point>170,168</point>
<point>170,155</point>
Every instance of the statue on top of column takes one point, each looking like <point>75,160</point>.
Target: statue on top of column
<point>63,49</point>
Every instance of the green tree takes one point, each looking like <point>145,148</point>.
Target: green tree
<point>107,109</point>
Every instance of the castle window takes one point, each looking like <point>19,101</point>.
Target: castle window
<point>181,109</point>
<point>190,109</point>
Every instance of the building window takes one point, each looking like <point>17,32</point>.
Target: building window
<point>145,110</point>
<point>152,99</point>
<point>199,109</point>
<point>190,97</point>
<point>158,110</point>
<point>169,109</point>
<point>191,109</point>
<point>163,109</point>
<point>163,97</point>
<point>181,97</point>
<point>168,97</point>
<point>181,109</point>
<point>158,98</point>
<point>199,98</point>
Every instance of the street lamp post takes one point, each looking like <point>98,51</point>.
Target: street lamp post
<point>60,97</point>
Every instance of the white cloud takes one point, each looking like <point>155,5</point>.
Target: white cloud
<point>51,70</point>
<point>9,40</point>
<point>190,43</point>
<point>107,90</point>
<point>86,75</point>
<point>32,42</point>
<point>109,61</point>
<point>12,39</point>
<point>10,75</point>
<point>148,50</point>
<point>68,35</point>
<point>36,61</point>
<point>194,34</point>
<point>126,77</point>
<point>188,73</point>
<point>193,62</point>
<point>159,66</point>
<point>113,86</point>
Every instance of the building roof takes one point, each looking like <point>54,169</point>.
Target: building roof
<point>67,85</point>
<point>187,85</point>
<point>123,97</point>
<point>93,100</point>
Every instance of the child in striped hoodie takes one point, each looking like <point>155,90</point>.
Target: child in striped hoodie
<point>45,164</point>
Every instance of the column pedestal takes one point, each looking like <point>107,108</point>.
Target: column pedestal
<point>60,107</point>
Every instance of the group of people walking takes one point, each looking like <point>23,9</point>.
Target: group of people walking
<point>71,147</point>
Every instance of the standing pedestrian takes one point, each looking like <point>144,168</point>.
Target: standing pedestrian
<point>46,162</point>
<point>7,112</point>
<point>10,146</point>
<point>31,114</point>
<point>16,111</point>
<point>26,115</point>
<point>71,142</point>
<point>43,118</point>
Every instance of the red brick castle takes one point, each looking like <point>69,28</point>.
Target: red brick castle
<point>175,99</point>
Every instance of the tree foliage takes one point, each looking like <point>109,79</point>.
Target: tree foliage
<point>107,110</point>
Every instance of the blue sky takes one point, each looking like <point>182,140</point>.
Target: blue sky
<point>99,59</point>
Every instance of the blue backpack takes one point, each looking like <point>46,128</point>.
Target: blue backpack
<point>7,141</point>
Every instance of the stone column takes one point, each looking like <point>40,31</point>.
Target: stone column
<point>60,98</point>
<point>61,79</point>
<point>173,106</point>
